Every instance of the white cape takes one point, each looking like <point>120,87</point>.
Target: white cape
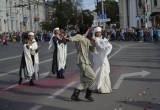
<point>31,69</point>
<point>101,65</point>
<point>61,55</point>
<point>29,62</point>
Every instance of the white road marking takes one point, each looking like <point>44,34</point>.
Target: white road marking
<point>12,86</point>
<point>116,51</point>
<point>43,75</point>
<point>36,107</point>
<point>62,90</point>
<point>74,82</point>
<point>10,58</point>
<point>39,63</point>
<point>9,72</point>
<point>123,76</point>
<point>18,56</point>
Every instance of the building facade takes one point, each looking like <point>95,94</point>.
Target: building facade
<point>21,15</point>
<point>155,12</point>
<point>139,13</point>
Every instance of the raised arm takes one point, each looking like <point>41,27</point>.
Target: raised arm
<point>74,38</point>
<point>100,44</point>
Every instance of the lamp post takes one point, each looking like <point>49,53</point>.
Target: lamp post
<point>146,13</point>
<point>11,15</point>
<point>30,15</point>
<point>103,23</point>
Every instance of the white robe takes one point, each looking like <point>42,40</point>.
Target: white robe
<point>101,65</point>
<point>36,58</point>
<point>61,55</point>
<point>32,70</point>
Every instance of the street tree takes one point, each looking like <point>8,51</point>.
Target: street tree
<point>110,8</point>
<point>86,17</point>
<point>65,13</point>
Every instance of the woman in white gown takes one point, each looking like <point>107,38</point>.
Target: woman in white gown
<point>101,64</point>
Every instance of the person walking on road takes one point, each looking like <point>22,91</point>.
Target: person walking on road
<point>4,40</point>
<point>29,67</point>
<point>87,77</point>
<point>101,64</point>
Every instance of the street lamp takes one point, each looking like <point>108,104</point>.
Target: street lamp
<point>103,12</point>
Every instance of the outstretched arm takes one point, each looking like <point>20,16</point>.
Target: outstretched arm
<point>74,38</point>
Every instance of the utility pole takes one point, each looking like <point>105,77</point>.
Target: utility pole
<point>11,15</point>
<point>34,18</point>
<point>22,25</point>
<point>102,7</point>
<point>146,14</point>
<point>6,17</point>
<point>103,23</point>
<point>30,15</point>
<point>38,12</point>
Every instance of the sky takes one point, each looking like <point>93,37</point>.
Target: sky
<point>89,4</point>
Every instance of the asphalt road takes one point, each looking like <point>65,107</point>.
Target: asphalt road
<point>135,78</point>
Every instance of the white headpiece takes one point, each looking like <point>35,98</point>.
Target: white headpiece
<point>97,29</point>
<point>55,29</point>
<point>31,34</point>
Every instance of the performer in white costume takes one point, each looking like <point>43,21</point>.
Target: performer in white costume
<point>101,63</point>
<point>29,68</point>
<point>59,53</point>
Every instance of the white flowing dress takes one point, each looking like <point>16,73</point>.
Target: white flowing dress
<point>30,71</point>
<point>101,65</point>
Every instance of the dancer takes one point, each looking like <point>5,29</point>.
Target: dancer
<point>101,64</point>
<point>59,54</point>
<point>29,68</point>
<point>87,77</point>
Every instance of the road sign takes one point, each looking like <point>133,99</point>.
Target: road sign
<point>138,17</point>
<point>103,16</point>
<point>25,18</point>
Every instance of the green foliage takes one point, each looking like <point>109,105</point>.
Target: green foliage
<point>87,17</point>
<point>111,9</point>
<point>67,14</point>
<point>47,26</point>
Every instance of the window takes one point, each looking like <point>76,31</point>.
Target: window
<point>155,3</point>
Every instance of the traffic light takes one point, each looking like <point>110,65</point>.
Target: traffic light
<point>35,18</point>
